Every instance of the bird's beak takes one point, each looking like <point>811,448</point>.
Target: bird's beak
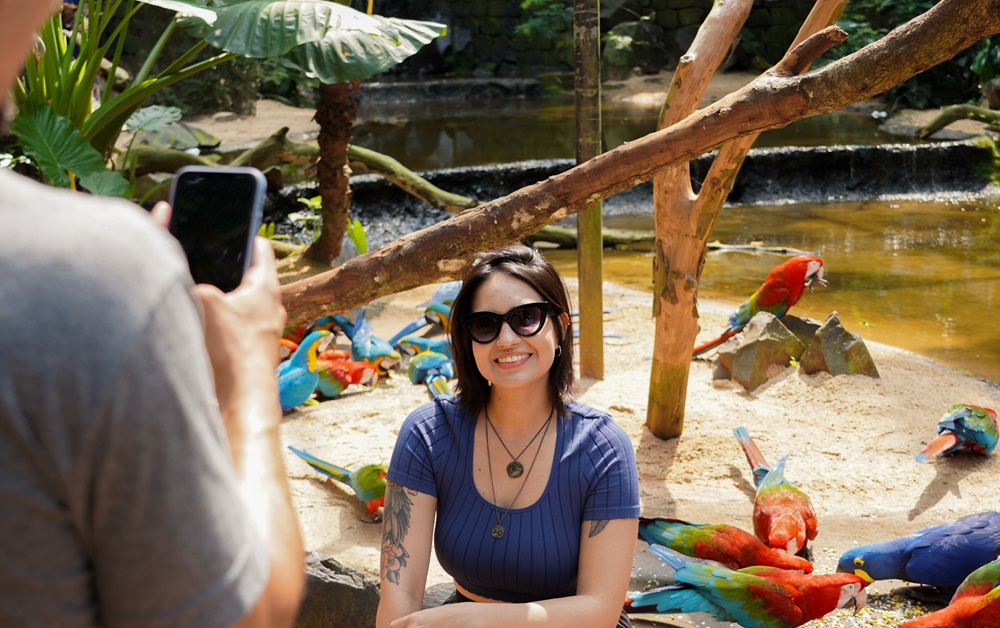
<point>861,573</point>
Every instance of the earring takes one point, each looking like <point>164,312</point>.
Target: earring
<point>558,351</point>
<point>489,383</point>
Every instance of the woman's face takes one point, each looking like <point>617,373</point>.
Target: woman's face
<point>513,361</point>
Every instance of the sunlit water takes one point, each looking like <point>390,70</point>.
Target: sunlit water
<point>447,134</point>
<point>924,276</point>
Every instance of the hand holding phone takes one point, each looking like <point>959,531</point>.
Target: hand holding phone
<point>216,212</point>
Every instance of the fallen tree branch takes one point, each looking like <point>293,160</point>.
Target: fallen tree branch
<point>954,113</point>
<point>438,252</point>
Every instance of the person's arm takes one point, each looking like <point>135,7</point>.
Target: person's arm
<point>607,549</point>
<point>407,528</point>
<point>242,329</point>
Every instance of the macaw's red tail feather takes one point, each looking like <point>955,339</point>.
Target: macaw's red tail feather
<point>711,344</point>
<point>938,445</point>
<point>752,452</point>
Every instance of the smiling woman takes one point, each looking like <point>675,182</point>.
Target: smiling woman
<point>550,531</point>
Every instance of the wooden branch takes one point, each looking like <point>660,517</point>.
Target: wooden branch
<point>954,113</point>
<point>798,60</point>
<point>276,150</point>
<point>438,252</point>
<point>409,181</point>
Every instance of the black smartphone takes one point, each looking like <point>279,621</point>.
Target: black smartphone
<point>216,212</point>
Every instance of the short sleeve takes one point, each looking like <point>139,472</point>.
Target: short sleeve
<point>614,491</point>
<point>411,464</point>
<point>173,544</point>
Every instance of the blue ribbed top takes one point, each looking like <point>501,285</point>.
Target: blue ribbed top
<point>594,477</point>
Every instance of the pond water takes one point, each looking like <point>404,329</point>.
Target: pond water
<point>447,134</point>
<point>923,276</point>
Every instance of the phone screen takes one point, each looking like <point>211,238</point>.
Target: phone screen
<point>216,214</point>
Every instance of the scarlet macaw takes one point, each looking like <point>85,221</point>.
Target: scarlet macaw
<point>963,427</point>
<point>726,544</point>
<point>783,516</point>
<point>976,603</point>
<point>783,287</point>
<point>367,482</point>
<point>337,371</point>
<point>754,597</point>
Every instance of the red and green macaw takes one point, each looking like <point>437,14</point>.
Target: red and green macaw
<point>783,516</point>
<point>754,597</point>
<point>963,427</point>
<point>337,371</point>
<point>297,377</point>
<point>434,370</point>
<point>367,482</point>
<point>726,544</point>
<point>783,287</point>
<point>976,603</point>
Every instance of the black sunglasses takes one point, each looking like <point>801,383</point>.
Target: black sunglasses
<point>525,320</point>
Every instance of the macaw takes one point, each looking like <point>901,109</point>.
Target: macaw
<point>783,516</point>
<point>726,544</point>
<point>297,333</point>
<point>437,314</point>
<point>336,373</point>
<point>963,427</point>
<point>297,377</point>
<point>940,555</point>
<point>365,345</point>
<point>286,348</point>
<point>367,482</point>
<point>976,603</point>
<point>782,288</point>
<point>754,597</point>
<point>416,344</point>
<point>432,369</point>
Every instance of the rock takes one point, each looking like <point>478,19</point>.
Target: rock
<point>837,351</point>
<point>765,348</point>
<point>991,90</point>
<point>337,595</point>
<point>225,116</point>
<point>803,328</point>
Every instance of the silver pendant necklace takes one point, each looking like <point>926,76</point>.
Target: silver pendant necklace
<point>498,531</point>
<point>514,467</point>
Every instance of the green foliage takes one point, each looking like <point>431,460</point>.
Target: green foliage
<point>63,154</point>
<point>953,81</point>
<point>313,221</point>
<point>986,63</point>
<point>551,19</point>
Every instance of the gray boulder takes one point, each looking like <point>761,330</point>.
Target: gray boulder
<point>337,595</point>
<point>765,348</point>
<point>837,351</point>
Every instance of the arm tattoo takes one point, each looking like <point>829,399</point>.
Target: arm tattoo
<point>596,526</point>
<point>396,523</point>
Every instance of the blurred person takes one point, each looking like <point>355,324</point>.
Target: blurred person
<point>142,480</point>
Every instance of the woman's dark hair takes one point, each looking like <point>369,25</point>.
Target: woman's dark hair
<point>525,264</point>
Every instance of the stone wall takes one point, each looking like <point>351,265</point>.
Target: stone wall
<point>482,40</point>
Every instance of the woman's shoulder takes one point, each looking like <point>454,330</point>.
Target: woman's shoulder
<point>594,423</point>
<point>441,410</point>
<point>580,410</point>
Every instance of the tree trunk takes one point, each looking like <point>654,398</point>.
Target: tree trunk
<point>590,252</point>
<point>336,112</point>
<point>771,101</point>
<point>684,219</point>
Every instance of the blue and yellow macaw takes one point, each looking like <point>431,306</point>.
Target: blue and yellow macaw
<point>417,344</point>
<point>365,345</point>
<point>432,369</point>
<point>297,376</point>
<point>437,312</point>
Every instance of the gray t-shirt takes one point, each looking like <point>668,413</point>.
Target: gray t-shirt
<point>118,502</point>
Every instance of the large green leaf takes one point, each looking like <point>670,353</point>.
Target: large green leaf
<point>186,9</point>
<point>333,42</point>
<point>153,118</point>
<point>346,55</point>
<point>59,148</point>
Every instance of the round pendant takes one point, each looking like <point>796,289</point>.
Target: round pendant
<point>515,469</point>
<point>497,531</point>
